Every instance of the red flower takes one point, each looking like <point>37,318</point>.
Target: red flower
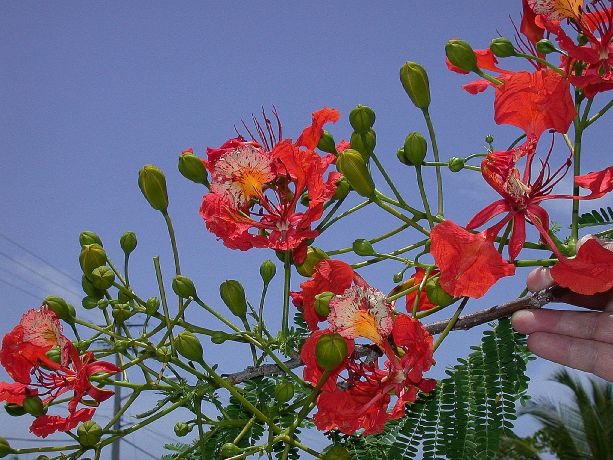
<point>258,187</point>
<point>469,263</point>
<point>23,356</point>
<point>312,372</point>
<point>424,302</point>
<point>532,29</point>
<point>330,276</point>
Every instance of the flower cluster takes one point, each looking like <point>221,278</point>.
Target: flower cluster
<point>27,355</point>
<point>358,392</point>
<point>256,187</point>
<point>534,102</point>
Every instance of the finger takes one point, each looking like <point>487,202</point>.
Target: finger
<point>586,355</point>
<point>578,324</point>
<point>539,279</point>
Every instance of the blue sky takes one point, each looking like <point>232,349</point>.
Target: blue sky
<point>92,91</point>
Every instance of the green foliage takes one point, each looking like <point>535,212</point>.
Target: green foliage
<point>595,218</point>
<point>469,411</point>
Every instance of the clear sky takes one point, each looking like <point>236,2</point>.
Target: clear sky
<point>92,91</point>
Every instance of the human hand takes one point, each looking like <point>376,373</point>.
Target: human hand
<point>579,339</point>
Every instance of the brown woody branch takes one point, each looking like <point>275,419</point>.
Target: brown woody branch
<point>536,300</point>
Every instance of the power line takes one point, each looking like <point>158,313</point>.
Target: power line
<point>45,277</point>
<point>20,246</point>
<point>20,289</point>
<point>138,448</point>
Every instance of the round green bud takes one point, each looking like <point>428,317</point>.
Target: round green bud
<point>230,450</point>
<point>89,433</point>
<point>89,302</point>
<point>5,448</point>
<point>437,295</point>
<point>33,405</point>
<point>92,256</point>
<point>121,312</point>
<point>152,305</point>
<point>121,345</point>
<point>192,168</point>
<point>313,257</point>
<point>461,55</point>
<point>163,354</point>
<point>152,184</point>
<point>336,453</point>
<point>489,138</point>
<point>14,410</point>
<point>502,47</point>
<point>364,143</point>
<point>342,189</point>
<point>268,271</point>
<point>327,143</point>
<point>102,277</point>
<point>305,199</point>
<point>233,295</point>
<point>352,165</point>
<point>184,287</point>
<point>88,237</point>
<point>582,39</point>
<point>415,148</point>
<point>103,303</point>
<point>61,308</point>
<point>188,346</point>
<point>90,289</point>
<point>128,242</point>
<point>545,46</point>
<point>330,351</point>
<point>182,429</point>
<point>414,79</point>
<point>219,337</point>
<point>322,303</point>
<point>456,164</point>
<point>284,391</point>
<point>42,457</point>
<point>54,354</point>
<point>362,118</point>
<point>402,157</point>
<point>363,248</point>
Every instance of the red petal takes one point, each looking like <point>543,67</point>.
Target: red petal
<point>599,183</point>
<point>310,136</point>
<point>48,424</point>
<point>469,263</point>
<point>528,26</point>
<point>15,392</point>
<point>590,272</point>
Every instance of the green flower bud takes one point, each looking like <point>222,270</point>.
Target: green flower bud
<point>545,46</point>
<point>336,453</point>
<point>128,242</point>
<point>188,346</point>
<point>284,391</point>
<point>304,199</point>
<point>102,277</point>
<point>163,354</point>
<point>352,165</point>
<point>322,303</point>
<point>415,148</point>
<point>153,185</point>
<point>152,305</point>
<point>33,405</point>
<point>489,138</point>
<point>61,308</point>
<point>397,278</point>
<point>582,39</point>
<point>192,168</point>
<point>502,47</point>
<point>363,248</point>
<point>327,143</point>
<point>362,118</point>
<point>313,257</point>
<point>14,410</point>
<point>92,256</point>
<point>89,433</point>
<point>456,164</point>
<point>342,188</point>
<point>233,295</point>
<point>54,354</point>
<point>184,287</point>
<point>330,351</point>
<point>461,55</point>
<point>121,312</point>
<point>103,303</point>
<point>43,457</point>
<point>415,82</point>
<point>121,345</point>
<point>88,237</point>
<point>5,448</point>
<point>89,302</point>
<point>436,294</point>
<point>90,289</point>
<point>219,337</point>
<point>268,271</point>
<point>182,429</point>
<point>230,450</point>
<point>364,143</point>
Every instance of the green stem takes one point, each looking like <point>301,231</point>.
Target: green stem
<point>419,290</point>
<point>488,77</point>
<point>599,113</point>
<point>399,215</point>
<point>173,242</point>
<point>322,228</point>
<point>396,252</point>
<point>439,178</point>
<point>287,267</point>
<point>261,310</point>
<point>372,241</point>
<point>392,186</point>
<point>424,197</point>
<point>542,61</point>
<point>331,213</point>
<point>160,281</point>
<point>576,172</point>
<point>516,141</point>
<point>535,263</point>
<point>451,323</point>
